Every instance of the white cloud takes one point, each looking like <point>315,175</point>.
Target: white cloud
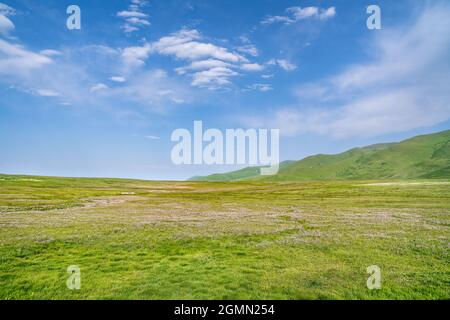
<point>131,14</point>
<point>6,25</point>
<point>178,101</point>
<point>252,67</point>
<point>135,56</point>
<point>138,21</point>
<point>213,78</point>
<point>390,111</point>
<point>249,49</point>
<point>329,13</point>
<point>209,65</point>
<point>134,17</point>
<point>276,19</point>
<point>286,65</point>
<point>15,60</point>
<point>139,2</point>
<point>50,52</point>
<point>295,14</point>
<point>244,38</point>
<point>283,63</point>
<point>6,10</point>
<point>128,28</point>
<point>98,87</point>
<point>404,87</point>
<point>117,79</point>
<point>300,13</point>
<point>202,65</point>
<point>260,87</point>
<point>46,93</point>
<point>267,76</point>
<point>150,137</point>
<point>154,88</point>
<point>185,45</point>
<point>26,71</point>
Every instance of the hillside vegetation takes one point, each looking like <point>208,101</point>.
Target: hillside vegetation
<point>421,157</point>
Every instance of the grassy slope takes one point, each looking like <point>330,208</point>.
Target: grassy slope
<point>238,175</point>
<point>172,240</point>
<point>426,156</point>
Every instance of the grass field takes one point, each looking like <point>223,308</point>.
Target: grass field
<point>200,240</point>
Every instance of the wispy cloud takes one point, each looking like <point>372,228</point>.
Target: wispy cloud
<point>213,78</point>
<point>210,65</point>
<point>202,65</point>
<point>262,87</point>
<point>47,93</point>
<point>249,49</point>
<point>50,52</point>
<point>404,87</point>
<point>15,60</point>
<point>118,79</point>
<point>252,67</point>
<point>6,25</point>
<point>153,88</point>
<point>134,57</point>
<point>150,137</point>
<point>24,70</point>
<point>187,45</point>
<point>295,14</point>
<point>134,17</point>
<point>6,10</point>
<point>99,87</point>
<point>283,64</point>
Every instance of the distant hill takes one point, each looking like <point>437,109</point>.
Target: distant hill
<point>426,156</point>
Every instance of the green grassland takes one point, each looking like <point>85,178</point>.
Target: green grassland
<point>421,157</point>
<point>203,240</point>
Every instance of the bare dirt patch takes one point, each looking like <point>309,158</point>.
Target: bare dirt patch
<point>108,201</point>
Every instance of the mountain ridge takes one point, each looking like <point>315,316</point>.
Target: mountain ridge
<point>424,156</point>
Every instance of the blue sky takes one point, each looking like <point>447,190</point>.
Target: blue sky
<point>103,101</point>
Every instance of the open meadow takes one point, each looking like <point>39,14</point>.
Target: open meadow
<point>243,240</point>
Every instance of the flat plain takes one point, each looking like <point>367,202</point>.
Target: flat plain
<point>243,240</point>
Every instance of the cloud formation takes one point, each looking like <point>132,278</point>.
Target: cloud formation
<point>187,45</point>
<point>295,14</point>
<point>210,65</point>
<point>46,93</point>
<point>249,49</point>
<point>16,60</point>
<point>262,87</point>
<point>99,87</point>
<point>404,87</point>
<point>6,25</point>
<point>283,64</point>
<point>134,17</point>
<point>117,79</point>
<point>26,70</point>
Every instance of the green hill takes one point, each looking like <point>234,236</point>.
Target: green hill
<point>242,174</point>
<point>426,156</point>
